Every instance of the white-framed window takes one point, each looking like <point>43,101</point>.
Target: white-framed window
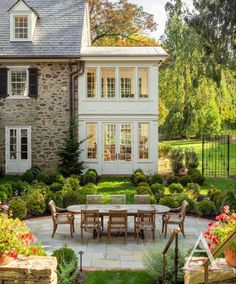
<point>127,82</point>
<point>143,140</point>
<point>18,81</point>
<point>143,82</point>
<point>91,82</point>
<point>21,27</point>
<point>91,133</point>
<point>108,82</point>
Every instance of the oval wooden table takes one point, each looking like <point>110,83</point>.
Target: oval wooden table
<point>132,209</point>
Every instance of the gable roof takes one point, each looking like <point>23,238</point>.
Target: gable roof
<point>58,32</point>
<point>26,5</point>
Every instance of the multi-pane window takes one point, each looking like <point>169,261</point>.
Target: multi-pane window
<point>13,144</point>
<point>127,82</point>
<point>92,141</point>
<point>109,142</point>
<point>143,82</point>
<point>21,27</point>
<point>18,81</point>
<point>125,142</point>
<point>108,82</point>
<point>143,140</point>
<point>91,82</point>
<point>24,144</point>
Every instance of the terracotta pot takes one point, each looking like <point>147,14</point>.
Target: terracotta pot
<point>5,259</point>
<point>230,257</point>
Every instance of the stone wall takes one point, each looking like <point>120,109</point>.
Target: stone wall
<point>33,270</point>
<point>195,275</point>
<point>48,115</point>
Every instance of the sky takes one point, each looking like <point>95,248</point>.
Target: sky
<point>157,8</point>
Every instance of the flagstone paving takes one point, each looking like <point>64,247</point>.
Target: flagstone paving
<point>116,255</point>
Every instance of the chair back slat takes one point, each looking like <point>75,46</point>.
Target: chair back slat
<point>89,216</point>
<point>118,217</point>
<point>94,199</point>
<point>146,216</point>
<point>118,199</point>
<point>142,199</point>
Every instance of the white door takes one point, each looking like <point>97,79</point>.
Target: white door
<point>18,149</point>
<point>117,148</point>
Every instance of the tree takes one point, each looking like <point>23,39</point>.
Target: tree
<point>112,22</point>
<point>70,154</point>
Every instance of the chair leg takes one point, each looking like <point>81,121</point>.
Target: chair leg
<point>73,226</point>
<point>162,230</point>
<point>165,229</point>
<point>182,229</point>
<point>137,235</point>
<point>153,234</point>
<point>82,235</point>
<point>102,223</point>
<point>98,234</point>
<point>71,230</point>
<point>54,229</point>
<point>109,235</point>
<point>126,235</point>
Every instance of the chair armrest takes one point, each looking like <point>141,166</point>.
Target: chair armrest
<point>175,209</point>
<point>167,216</point>
<point>61,209</point>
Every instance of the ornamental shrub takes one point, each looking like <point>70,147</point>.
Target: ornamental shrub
<point>35,200</point>
<point>196,178</point>
<point>218,200</point>
<point>19,187</point>
<point>144,183</point>
<point>176,160</point>
<point>193,172</point>
<point>7,188</point>
<point>17,207</point>
<point>230,199</point>
<point>2,172</point>
<point>193,190</point>
<point>71,198</point>
<point>206,208</point>
<point>56,177</point>
<point>36,170</point>
<point>71,183</point>
<point>88,189</point>
<point>163,150</point>
<point>66,265</point>
<point>191,159</point>
<point>143,189</point>
<point>3,196</point>
<point>43,177</point>
<point>176,188</point>
<point>56,186</point>
<point>56,197</point>
<point>90,177</point>
<point>139,177</point>
<point>172,179</point>
<point>169,201</point>
<point>138,171</point>
<point>155,178</point>
<point>192,204</point>
<point>153,264</point>
<point>184,180</point>
<point>28,176</point>
<point>158,190</point>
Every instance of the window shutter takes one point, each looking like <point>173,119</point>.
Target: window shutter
<point>3,82</point>
<point>33,82</point>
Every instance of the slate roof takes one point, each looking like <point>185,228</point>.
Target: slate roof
<point>117,51</point>
<point>58,32</point>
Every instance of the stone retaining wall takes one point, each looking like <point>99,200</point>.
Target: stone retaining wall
<point>195,275</point>
<point>48,114</point>
<point>33,270</point>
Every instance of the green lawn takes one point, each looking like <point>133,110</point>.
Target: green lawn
<point>117,277</point>
<point>116,185</point>
<point>197,146</point>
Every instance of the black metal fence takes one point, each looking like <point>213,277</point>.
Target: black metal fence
<point>219,156</point>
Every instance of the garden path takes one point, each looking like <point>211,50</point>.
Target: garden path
<point>116,255</point>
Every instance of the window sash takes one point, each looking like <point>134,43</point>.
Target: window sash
<point>18,81</point>
<point>143,82</point>
<point>143,141</point>
<point>108,82</point>
<point>91,133</point>
<point>91,82</point>
<point>127,88</point>
<point>21,27</point>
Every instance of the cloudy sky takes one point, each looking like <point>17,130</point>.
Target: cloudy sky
<point>157,8</point>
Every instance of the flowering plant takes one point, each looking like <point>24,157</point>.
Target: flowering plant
<point>218,231</point>
<point>16,239</point>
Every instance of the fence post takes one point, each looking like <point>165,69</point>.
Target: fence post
<point>203,141</point>
<point>228,157</point>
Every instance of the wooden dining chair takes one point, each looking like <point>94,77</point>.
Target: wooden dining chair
<point>141,199</point>
<point>118,222</point>
<point>118,199</point>
<point>175,216</point>
<point>95,199</point>
<point>90,221</point>
<point>61,216</point>
<point>145,221</point>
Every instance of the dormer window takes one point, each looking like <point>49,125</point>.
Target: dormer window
<point>23,20</point>
<point>21,28</point>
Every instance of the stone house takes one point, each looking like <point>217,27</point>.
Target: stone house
<point>50,74</point>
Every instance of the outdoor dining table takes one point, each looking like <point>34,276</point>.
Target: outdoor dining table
<point>132,209</point>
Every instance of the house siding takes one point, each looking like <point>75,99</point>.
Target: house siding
<point>48,115</point>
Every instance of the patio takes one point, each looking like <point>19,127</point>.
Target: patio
<point>117,255</point>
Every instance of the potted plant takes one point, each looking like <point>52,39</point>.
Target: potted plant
<point>218,232</point>
<point>15,240</point>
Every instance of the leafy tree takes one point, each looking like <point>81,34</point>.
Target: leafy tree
<point>112,22</point>
<point>70,154</point>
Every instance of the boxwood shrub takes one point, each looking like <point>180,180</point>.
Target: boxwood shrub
<point>172,179</point>
<point>198,178</point>
<point>169,201</point>
<point>17,207</point>
<point>184,180</point>
<point>193,190</point>
<point>176,188</point>
<point>206,208</point>
<point>56,186</point>
<point>155,178</point>
<point>90,176</point>
<point>144,189</point>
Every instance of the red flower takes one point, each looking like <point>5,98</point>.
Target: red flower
<point>13,254</point>
<point>215,240</point>
<point>210,224</point>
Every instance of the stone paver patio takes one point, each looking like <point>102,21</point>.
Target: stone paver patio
<point>116,255</point>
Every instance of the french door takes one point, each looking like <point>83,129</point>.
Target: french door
<point>117,148</point>
<point>18,149</point>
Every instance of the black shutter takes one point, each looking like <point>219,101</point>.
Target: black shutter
<point>3,82</point>
<point>33,82</point>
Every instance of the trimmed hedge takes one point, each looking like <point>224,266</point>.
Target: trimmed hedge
<point>17,207</point>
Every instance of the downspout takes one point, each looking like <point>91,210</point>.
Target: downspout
<point>72,76</point>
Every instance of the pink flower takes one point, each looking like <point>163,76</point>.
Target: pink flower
<point>226,209</point>
<point>4,207</point>
<point>219,217</point>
